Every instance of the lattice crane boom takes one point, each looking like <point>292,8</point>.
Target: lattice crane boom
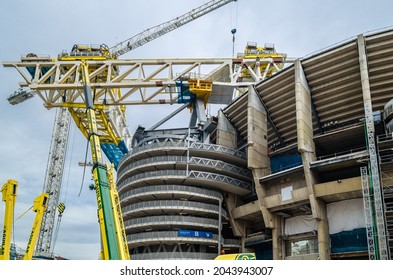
<point>161,29</point>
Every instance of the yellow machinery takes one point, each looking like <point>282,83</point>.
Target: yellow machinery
<point>236,257</point>
<point>9,197</point>
<point>40,203</point>
<point>58,83</point>
<point>88,52</point>
<point>202,88</point>
<point>265,60</point>
<point>113,237</point>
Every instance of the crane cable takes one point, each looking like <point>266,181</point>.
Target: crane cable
<point>87,151</point>
<point>234,25</point>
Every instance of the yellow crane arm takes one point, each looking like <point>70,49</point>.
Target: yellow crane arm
<point>9,197</point>
<point>40,204</point>
<point>109,213</point>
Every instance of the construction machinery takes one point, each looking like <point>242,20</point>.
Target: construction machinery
<point>111,84</point>
<point>264,60</point>
<point>236,257</point>
<point>114,135</point>
<point>39,206</point>
<point>113,237</point>
<point>8,191</point>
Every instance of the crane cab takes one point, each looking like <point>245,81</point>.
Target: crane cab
<point>86,52</point>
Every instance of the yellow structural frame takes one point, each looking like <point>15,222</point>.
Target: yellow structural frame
<point>40,204</point>
<point>113,240</point>
<point>8,191</point>
<point>201,88</point>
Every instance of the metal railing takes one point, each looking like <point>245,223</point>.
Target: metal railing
<point>171,220</point>
<point>174,205</point>
<point>179,142</point>
<point>220,178</point>
<point>346,152</point>
<point>174,256</point>
<point>217,164</point>
<point>183,175</point>
<point>166,236</point>
<point>157,189</point>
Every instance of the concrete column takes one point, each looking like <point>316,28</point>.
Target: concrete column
<point>257,133</point>
<point>276,240</point>
<point>238,226</point>
<point>372,149</point>
<point>226,133</point>
<point>227,136</point>
<point>364,71</point>
<point>306,148</point>
<point>259,162</point>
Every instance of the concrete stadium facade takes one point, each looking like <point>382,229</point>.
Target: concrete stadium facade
<point>296,144</point>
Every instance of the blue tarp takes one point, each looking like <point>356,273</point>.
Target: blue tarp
<point>282,162</point>
<point>185,96</point>
<point>114,153</point>
<point>349,241</point>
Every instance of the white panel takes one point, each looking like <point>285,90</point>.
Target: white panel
<point>286,193</point>
<point>300,224</point>
<point>345,215</point>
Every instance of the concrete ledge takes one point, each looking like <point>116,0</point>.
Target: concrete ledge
<point>338,187</point>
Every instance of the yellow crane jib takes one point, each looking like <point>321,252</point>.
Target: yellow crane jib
<point>109,216</point>
<point>8,191</point>
<point>40,204</point>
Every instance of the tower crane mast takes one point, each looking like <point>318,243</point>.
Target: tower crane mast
<point>53,179</point>
<point>59,142</point>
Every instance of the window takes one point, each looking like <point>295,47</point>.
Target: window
<point>301,247</point>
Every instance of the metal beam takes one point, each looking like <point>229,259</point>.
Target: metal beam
<point>174,113</point>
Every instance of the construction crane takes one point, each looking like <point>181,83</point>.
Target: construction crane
<point>114,136</point>
<point>115,84</point>
<point>113,237</point>
<point>39,206</point>
<point>8,191</point>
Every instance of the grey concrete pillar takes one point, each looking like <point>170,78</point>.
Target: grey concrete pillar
<point>306,148</point>
<point>372,149</point>
<point>258,160</point>
<point>277,243</point>
<point>226,133</point>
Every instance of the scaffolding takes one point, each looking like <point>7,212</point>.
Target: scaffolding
<point>375,183</point>
<point>368,213</point>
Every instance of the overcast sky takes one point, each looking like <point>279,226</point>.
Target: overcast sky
<point>297,28</point>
